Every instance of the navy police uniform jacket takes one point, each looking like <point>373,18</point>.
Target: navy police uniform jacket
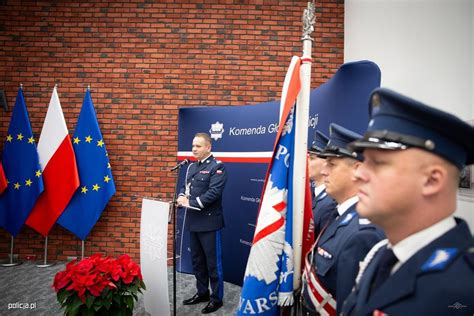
<point>324,210</point>
<point>437,280</point>
<point>205,182</point>
<point>339,250</point>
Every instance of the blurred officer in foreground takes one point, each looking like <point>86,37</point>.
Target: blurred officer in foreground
<point>408,182</point>
<point>333,263</point>
<point>202,195</point>
<point>324,207</point>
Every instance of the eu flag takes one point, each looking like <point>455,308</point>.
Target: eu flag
<point>97,184</point>
<point>22,170</point>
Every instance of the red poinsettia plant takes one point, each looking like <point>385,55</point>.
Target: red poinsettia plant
<point>99,286</point>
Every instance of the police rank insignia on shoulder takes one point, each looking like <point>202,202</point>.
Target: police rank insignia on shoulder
<point>218,161</point>
<point>347,219</point>
<point>439,259</point>
<point>204,171</point>
<point>219,171</point>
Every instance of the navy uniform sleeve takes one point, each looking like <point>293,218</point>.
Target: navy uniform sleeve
<point>182,189</point>
<point>218,178</point>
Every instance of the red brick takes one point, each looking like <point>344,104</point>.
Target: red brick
<point>144,60</point>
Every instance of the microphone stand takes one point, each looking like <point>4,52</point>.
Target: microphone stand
<point>172,217</point>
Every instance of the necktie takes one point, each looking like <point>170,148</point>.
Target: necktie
<point>386,263</point>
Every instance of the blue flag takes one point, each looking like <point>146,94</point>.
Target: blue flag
<point>97,184</point>
<point>22,170</point>
<point>268,280</point>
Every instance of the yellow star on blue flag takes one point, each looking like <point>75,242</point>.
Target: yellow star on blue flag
<point>20,163</point>
<point>85,207</point>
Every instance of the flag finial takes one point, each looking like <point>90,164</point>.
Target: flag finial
<point>21,86</point>
<point>88,87</point>
<point>309,18</point>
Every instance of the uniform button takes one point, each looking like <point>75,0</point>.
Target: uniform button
<point>192,179</point>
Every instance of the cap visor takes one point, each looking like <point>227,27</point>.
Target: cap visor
<point>361,144</point>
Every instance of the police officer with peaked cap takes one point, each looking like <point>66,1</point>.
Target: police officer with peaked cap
<point>408,183</point>
<point>332,265</point>
<point>324,206</point>
<point>202,195</point>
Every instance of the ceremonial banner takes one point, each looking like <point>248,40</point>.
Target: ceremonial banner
<point>268,279</point>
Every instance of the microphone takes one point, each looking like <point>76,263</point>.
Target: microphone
<point>179,165</point>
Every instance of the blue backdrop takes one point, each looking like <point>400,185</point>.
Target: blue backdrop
<point>243,138</point>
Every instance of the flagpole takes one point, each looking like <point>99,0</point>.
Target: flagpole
<point>301,143</point>
<point>172,217</point>
<point>11,263</point>
<point>82,249</point>
<point>45,263</point>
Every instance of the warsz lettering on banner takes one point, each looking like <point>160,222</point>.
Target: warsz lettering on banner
<point>269,274</point>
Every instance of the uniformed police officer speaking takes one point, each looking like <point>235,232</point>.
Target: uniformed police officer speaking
<point>202,196</point>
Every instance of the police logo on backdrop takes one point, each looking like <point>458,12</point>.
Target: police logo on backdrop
<point>216,131</point>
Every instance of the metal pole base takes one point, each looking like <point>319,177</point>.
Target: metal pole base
<point>10,264</point>
<point>44,265</point>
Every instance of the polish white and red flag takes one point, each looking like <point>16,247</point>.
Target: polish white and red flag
<point>58,166</point>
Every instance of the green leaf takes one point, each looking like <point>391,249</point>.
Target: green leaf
<point>70,311</point>
<point>97,306</point>
<point>88,312</point>
<point>62,296</point>
<point>128,301</point>
<point>75,305</point>
<point>107,304</point>
<point>134,290</point>
<point>89,300</point>
<point>117,299</point>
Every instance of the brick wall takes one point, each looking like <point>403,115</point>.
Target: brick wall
<point>143,60</point>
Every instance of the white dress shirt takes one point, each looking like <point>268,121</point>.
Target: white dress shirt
<point>317,190</point>
<point>409,246</point>
<point>342,208</point>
